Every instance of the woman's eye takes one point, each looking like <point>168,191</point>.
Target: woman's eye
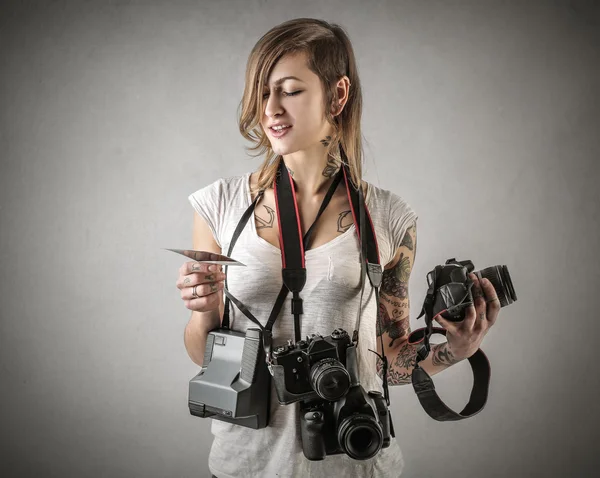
<point>293,93</point>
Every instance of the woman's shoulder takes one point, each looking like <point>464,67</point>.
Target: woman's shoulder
<point>232,181</point>
<point>376,195</point>
<point>387,200</point>
<point>223,186</point>
<point>220,198</point>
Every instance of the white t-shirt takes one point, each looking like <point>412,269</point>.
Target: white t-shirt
<point>330,300</point>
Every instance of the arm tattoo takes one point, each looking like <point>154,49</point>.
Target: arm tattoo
<point>407,240</point>
<point>394,377</point>
<point>406,357</point>
<point>343,224</point>
<point>442,355</point>
<point>396,329</point>
<point>393,316</point>
<point>262,223</point>
<point>394,285</point>
<point>400,370</point>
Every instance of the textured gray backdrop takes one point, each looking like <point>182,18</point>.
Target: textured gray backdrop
<point>484,116</point>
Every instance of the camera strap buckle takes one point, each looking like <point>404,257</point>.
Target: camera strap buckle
<point>375,273</point>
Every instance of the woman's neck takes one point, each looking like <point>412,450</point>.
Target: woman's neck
<point>312,176</point>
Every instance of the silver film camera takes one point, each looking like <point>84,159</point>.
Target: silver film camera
<point>234,382</point>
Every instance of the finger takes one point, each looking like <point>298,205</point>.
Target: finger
<point>191,267</point>
<point>478,298</point>
<point>201,267</point>
<point>207,302</point>
<point>212,277</point>
<point>493,303</point>
<point>206,289</point>
<point>449,325</point>
<point>184,281</point>
<point>470,319</point>
<point>201,290</point>
<point>199,278</point>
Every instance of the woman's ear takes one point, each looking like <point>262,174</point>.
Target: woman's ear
<point>342,88</point>
<point>336,108</point>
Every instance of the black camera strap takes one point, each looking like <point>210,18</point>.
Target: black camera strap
<point>292,249</point>
<point>267,329</point>
<point>422,381</point>
<point>294,272</point>
<point>369,264</point>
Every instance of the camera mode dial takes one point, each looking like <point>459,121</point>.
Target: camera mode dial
<point>301,344</point>
<point>338,334</point>
<point>281,350</point>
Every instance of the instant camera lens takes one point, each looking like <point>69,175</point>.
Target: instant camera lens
<point>360,436</point>
<point>500,279</point>
<point>330,379</point>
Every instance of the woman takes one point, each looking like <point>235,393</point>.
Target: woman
<point>302,99</point>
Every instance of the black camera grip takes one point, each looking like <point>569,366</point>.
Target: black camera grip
<point>311,427</point>
<point>384,417</point>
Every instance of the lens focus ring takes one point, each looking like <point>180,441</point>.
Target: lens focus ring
<point>330,379</point>
<point>360,436</point>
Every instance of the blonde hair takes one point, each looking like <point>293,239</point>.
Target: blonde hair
<point>330,57</point>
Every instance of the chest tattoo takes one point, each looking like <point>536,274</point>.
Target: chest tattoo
<point>265,223</point>
<point>344,221</point>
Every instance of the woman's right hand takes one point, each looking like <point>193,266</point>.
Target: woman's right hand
<point>200,285</point>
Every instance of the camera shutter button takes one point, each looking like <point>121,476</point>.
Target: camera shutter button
<point>280,350</point>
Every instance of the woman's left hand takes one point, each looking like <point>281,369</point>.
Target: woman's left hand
<point>464,338</point>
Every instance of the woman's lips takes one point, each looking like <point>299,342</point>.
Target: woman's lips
<point>279,134</point>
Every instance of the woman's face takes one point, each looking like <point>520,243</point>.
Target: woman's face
<point>295,102</point>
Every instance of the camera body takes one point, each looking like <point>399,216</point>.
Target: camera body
<point>312,368</point>
<point>358,424</point>
<point>450,288</point>
<point>337,415</point>
<point>234,382</point>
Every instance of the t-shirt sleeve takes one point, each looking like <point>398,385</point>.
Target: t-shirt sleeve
<point>402,217</point>
<point>208,203</point>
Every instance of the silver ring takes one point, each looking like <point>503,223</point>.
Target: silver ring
<point>194,293</point>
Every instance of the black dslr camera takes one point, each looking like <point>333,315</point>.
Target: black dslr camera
<point>449,295</point>
<point>337,415</point>
<point>358,424</point>
<point>450,288</point>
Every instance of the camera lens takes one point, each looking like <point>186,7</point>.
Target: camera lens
<point>330,379</point>
<point>360,436</point>
<point>500,279</point>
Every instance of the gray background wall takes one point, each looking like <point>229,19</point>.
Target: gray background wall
<point>483,115</point>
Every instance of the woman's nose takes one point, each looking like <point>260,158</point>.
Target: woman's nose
<point>272,107</point>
